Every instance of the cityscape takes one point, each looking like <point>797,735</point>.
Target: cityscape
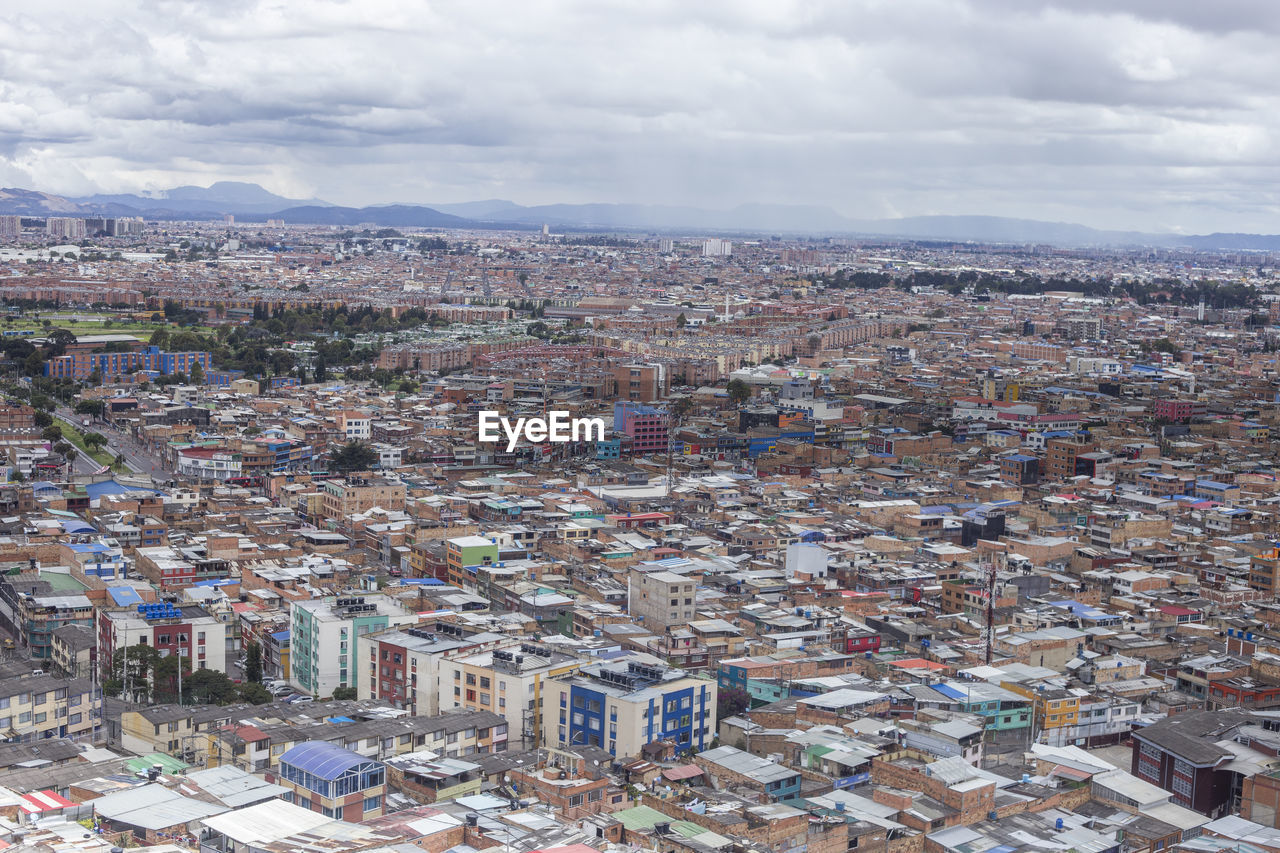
<point>788,518</point>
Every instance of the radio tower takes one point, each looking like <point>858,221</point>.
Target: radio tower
<point>991,611</point>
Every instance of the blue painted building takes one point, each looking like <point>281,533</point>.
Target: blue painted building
<point>622,704</point>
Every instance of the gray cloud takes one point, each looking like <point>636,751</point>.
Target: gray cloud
<point>1143,114</point>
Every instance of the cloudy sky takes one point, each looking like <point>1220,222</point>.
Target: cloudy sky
<point>1150,114</point>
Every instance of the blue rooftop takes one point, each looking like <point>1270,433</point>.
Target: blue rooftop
<point>124,596</point>
<point>1084,611</point>
<point>322,759</point>
<point>947,690</point>
<point>111,487</point>
<point>90,548</point>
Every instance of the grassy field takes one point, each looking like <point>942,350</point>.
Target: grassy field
<point>80,327</point>
<point>73,435</point>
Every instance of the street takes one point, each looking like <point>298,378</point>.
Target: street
<point>136,459</point>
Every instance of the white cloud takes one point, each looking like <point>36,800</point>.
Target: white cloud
<point>1144,114</point>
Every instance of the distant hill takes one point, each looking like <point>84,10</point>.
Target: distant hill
<point>1234,242</point>
<point>490,209</point>
<point>220,198</point>
<point>390,216</point>
<point>34,203</point>
<point>998,229</point>
<point>252,203</point>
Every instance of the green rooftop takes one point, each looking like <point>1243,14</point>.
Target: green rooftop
<point>644,817</point>
<point>169,765</point>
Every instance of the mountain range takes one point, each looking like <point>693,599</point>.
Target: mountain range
<point>252,203</point>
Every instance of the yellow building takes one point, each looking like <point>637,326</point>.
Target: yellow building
<point>510,681</point>
<point>1053,708</point>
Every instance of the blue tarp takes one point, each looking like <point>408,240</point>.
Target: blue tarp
<point>947,690</point>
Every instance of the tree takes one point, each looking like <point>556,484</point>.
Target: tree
<point>94,440</point>
<point>93,408</point>
<point>197,373</point>
<point>739,391</point>
<point>33,364</point>
<point>345,693</point>
<point>164,678</point>
<point>321,372</point>
<point>731,701</point>
<point>255,694</point>
<point>132,673</point>
<point>680,408</point>
<point>58,341</point>
<point>209,687</point>
<point>53,432</point>
<point>353,456</point>
<point>681,321</point>
<point>253,662</point>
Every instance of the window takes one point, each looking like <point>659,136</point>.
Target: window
<point>372,803</point>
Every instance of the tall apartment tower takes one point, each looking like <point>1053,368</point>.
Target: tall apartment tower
<point>65,228</point>
<point>715,247</point>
